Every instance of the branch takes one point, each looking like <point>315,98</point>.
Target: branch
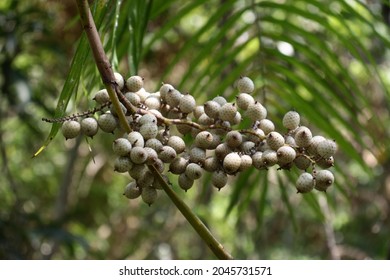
<point>108,78</point>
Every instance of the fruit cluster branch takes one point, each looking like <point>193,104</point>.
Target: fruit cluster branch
<point>115,95</point>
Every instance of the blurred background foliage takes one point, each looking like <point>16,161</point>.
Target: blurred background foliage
<point>327,59</point>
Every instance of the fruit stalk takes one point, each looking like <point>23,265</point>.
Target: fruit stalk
<point>100,57</point>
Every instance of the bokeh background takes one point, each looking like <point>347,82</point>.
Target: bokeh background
<point>327,59</point>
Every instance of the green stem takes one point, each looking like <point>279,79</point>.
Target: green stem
<point>102,62</point>
<point>108,77</point>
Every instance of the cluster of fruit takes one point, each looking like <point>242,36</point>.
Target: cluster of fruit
<point>219,144</point>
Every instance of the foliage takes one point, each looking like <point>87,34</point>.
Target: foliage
<point>326,59</point>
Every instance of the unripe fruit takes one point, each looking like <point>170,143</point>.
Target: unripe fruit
<point>231,163</point>
<point>286,155</point>
<point>211,109</point>
<point>220,100</point>
<point>89,126</point>
<point>134,83</point>
<point>184,182</point>
<point>143,94</point>
<point>70,129</point>
<point>228,112</point>
<point>148,130</point>
<point>197,155</point>
<point>177,143</point>
<point>222,150</point>
<point>243,100</point>
<point>270,158</point>
<point>198,111</point>
<point>326,148</point>
<point>164,89</point>
<point>257,136</point>
<point>203,140</point>
<point>121,147</point>
<point>275,140</point>
<point>211,164</point>
<point>305,183</point>
<point>205,120</point>
<point>102,96</point>
<point>302,162</point>
<point>107,122</point>
<point>257,160</point>
<point>245,84</point>
<point>152,156</point>
<point>134,98</point>
<point>246,162</point>
<point>146,180</point>
<point>233,139</point>
<point>193,171</point>
<point>173,98</point>
<point>324,179</point>
<point>289,140</point>
<point>303,137</point>
<point>153,102</point>
<point>219,179</point>
<point>178,165</point>
<point>256,111</point>
<point>122,164</point>
<point>137,171</point>
<point>136,139</point>
<point>325,162</point>
<point>119,80</point>
<point>266,125</point>
<point>291,120</point>
<point>167,154</point>
<point>247,147</point>
<point>153,143</point>
<point>147,118</point>
<point>187,103</point>
<point>114,112</point>
<point>132,191</point>
<point>160,165</point>
<point>312,149</point>
<point>149,195</point>
<point>138,155</point>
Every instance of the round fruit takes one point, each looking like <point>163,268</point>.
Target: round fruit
<point>231,163</point>
<point>256,111</point>
<point>89,126</point>
<point>187,103</point>
<point>177,143</point>
<point>303,137</point>
<point>121,147</point>
<point>291,120</point>
<point>102,96</point>
<point>219,179</point>
<point>138,155</point>
<point>305,183</point>
<point>193,171</point>
<point>245,84</point>
<point>286,155</point>
<point>149,195</point>
<point>134,83</point>
<point>132,191</point>
<point>107,122</point>
<point>324,179</point>
<point>184,182</point>
<point>243,100</point>
<point>275,140</point>
<point>70,129</point>
<point>326,148</point>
